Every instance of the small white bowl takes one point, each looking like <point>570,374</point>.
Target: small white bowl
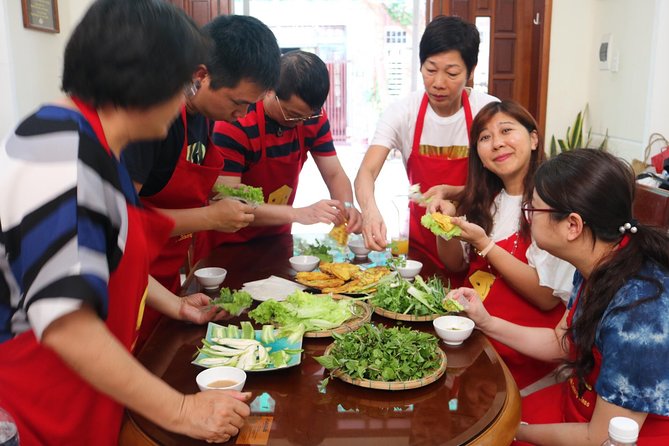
<point>411,269</point>
<point>304,263</point>
<point>453,329</point>
<point>210,379</point>
<point>358,247</point>
<point>210,278</point>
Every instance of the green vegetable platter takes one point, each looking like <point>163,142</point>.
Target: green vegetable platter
<point>377,357</point>
<point>397,298</point>
<point>312,315</point>
<point>247,349</point>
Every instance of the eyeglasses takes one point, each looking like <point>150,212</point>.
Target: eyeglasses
<point>528,210</point>
<point>299,119</point>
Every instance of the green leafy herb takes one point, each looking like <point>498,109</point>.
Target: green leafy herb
<point>396,262</point>
<point>383,354</point>
<point>250,194</point>
<point>419,299</point>
<point>317,249</point>
<point>233,302</point>
<point>452,305</point>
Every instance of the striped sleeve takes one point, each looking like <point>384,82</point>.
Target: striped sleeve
<point>234,145</point>
<point>64,224</point>
<point>318,137</point>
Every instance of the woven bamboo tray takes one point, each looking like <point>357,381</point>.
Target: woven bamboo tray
<point>392,385</point>
<point>365,314</point>
<point>405,317</point>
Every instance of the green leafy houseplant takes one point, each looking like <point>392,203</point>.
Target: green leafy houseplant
<point>574,137</point>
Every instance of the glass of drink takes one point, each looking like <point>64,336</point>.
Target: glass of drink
<point>399,241</point>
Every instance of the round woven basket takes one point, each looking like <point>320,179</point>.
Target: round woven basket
<point>393,385</point>
<point>365,314</point>
<point>405,317</point>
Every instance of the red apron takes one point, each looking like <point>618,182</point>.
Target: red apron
<point>431,171</point>
<point>277,177</point>
<point>189,187</point>
<point>502,301</point>
<point>560,403</point>
<point>50,403</point>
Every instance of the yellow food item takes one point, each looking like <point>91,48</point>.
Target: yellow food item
<point>399,247</point>
<point>342,271</point>
<point>443,220</point>
<point>372,275</point>
<point>339,234</point>
<point>315,275</point>
<point>332,282</point>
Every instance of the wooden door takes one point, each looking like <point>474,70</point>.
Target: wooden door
<point>202,11</point>
<point>520,33</point>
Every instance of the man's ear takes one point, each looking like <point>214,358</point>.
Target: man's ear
<point>200,75</point>
<point>471,75</point>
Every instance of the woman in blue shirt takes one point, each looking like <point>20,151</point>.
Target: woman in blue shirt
<point>615,336</point>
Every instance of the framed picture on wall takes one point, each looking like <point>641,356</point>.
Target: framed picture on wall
<point>41,15</point>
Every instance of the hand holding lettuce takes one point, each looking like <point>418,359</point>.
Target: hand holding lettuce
<point>249,194</point>
<point>440,225</point>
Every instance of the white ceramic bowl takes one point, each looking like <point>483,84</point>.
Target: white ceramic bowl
<point>411,269</point>
<point>210,278</point>
<point>453,329</point>
<point>304,263</point>
<point>215,378</point>
<point>358,248</point>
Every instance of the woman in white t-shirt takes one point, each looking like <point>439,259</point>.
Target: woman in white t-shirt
<point>429,128</point>
<point>516,280</point>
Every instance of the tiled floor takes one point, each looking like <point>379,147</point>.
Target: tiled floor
<point>392,181</point>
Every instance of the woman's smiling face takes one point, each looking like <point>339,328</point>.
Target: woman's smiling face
<point>505,147</point>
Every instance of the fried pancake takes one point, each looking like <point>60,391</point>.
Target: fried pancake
<point>344,271</point>
<point>372,275</point>
<point>322,284</point>
<point>339,234</point>
<point>312,275</point>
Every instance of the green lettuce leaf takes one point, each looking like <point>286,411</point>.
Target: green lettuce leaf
<point>250,194</point>
<point>429,222</point>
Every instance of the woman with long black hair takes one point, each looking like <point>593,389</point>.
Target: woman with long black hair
<point>615,334</point>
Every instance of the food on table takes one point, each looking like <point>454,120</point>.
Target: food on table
<point>340,278</point>
<point>339,234</point>
<point>235,347</point>
<point>342,271</point>
<point>302,312</point>
<point>377,353</point>
<point>419,298</point>
<point>440,225</point>
<point>249,194</point>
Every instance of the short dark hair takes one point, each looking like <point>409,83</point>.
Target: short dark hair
<point>450,33</point>
<point>131,53</point>
<point>243,47</point>
<point>305,75</point>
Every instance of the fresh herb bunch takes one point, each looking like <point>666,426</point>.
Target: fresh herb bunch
<point>250,194</point>
<point>419,299</point>
<point>317,249</point>
<point>377,353</point>
<point>233,302</point>
<point>396,262</point>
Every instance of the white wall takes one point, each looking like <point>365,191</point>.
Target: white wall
<point>31,61</point>
<point>629,102</point>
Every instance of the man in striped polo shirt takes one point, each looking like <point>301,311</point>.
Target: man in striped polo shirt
<point>268,147</point>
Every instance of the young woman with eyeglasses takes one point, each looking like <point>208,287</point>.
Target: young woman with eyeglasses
<point>515,278</point>
<point>614,336</point>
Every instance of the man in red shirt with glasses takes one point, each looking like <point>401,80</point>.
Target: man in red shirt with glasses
<point>268,147</point>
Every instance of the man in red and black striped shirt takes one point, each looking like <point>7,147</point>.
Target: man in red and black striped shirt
<point>268,147</point>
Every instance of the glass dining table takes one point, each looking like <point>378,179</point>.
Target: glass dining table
<point>475,402</point>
